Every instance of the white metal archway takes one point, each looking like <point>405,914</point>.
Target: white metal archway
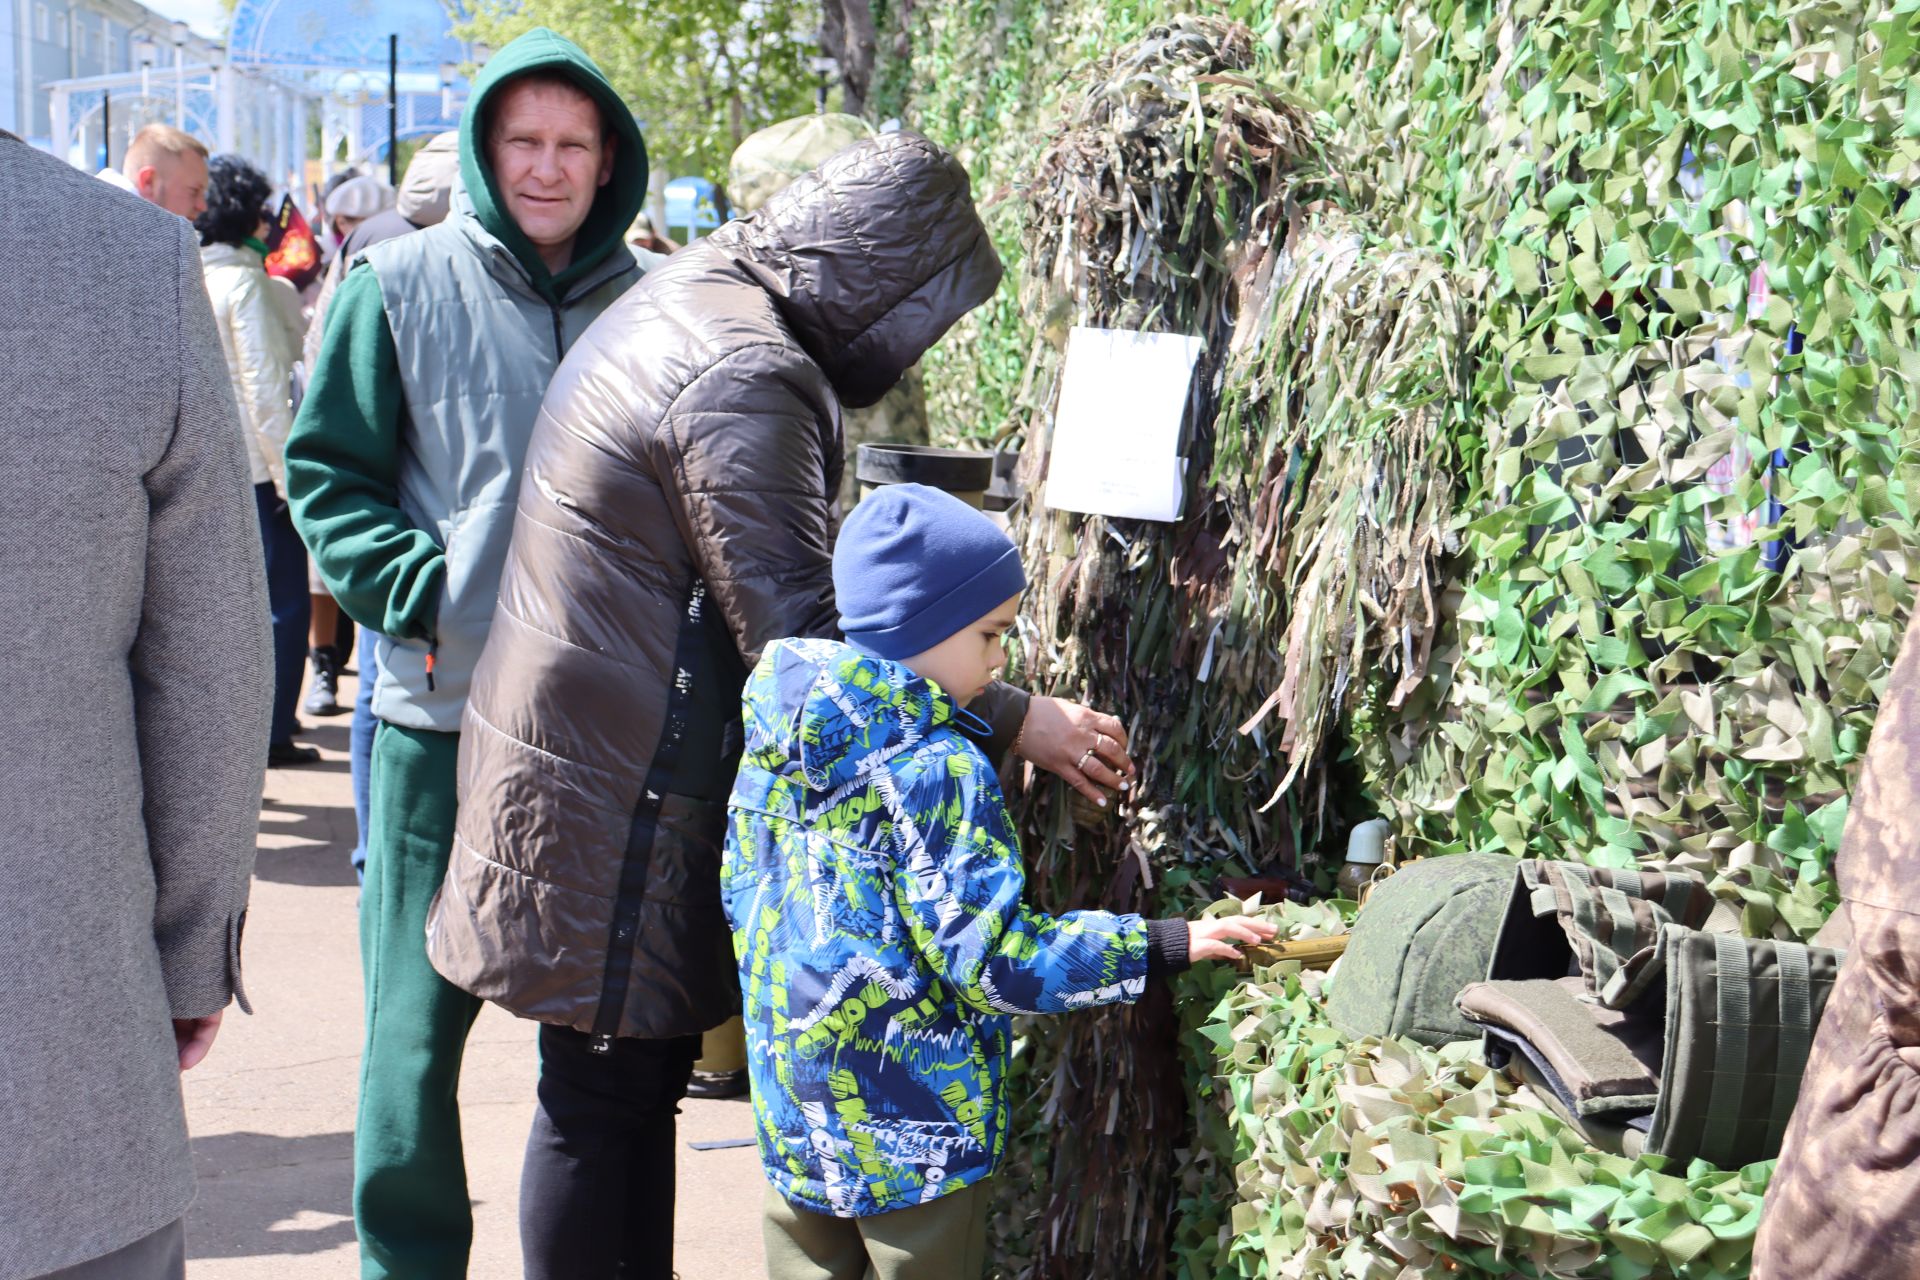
<point>289,64</point>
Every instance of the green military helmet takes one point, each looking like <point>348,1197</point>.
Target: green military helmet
<point>768,160</point>
<point>1426,932</point>
<point>761,168</point>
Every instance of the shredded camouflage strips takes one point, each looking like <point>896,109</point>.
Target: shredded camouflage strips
<point>1552,469</point>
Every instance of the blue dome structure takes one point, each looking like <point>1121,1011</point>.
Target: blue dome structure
<point>374,72</point>
<point>340,50</point>
<point>344,35</point>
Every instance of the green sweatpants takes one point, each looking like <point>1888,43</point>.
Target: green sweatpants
<point>410,1202</point>
<point>943,1240</point>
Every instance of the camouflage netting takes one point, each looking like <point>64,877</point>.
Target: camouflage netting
<point>1170,166</point>
<point>1386,1160</point>
<point>1554,453</point>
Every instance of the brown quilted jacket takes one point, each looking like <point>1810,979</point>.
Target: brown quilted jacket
<point>675,517</point>
<point>1845,1199</point>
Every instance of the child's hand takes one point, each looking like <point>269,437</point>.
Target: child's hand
<point>1214,939</point>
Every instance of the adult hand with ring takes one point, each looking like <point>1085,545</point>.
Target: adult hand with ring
<point>1082,745</point>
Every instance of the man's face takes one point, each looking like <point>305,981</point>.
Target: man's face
<point>549,160</point>
<point>177,184</point>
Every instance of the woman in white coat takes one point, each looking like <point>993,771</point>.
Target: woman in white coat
<point>260,331</point>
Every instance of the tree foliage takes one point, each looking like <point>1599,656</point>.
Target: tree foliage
<point>699,75</point>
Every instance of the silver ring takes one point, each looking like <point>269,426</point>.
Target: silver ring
<point>1081,763</point>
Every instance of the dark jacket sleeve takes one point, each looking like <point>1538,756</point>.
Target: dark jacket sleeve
<point>343,468</point>
<point>743,455</point>
<point>747,460</point>
<point>202,671</point>
<point>1004,708</point>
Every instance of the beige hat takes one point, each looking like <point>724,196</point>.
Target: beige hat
<point>427,187</point>
<point>358,198</point>
<point>768,160</point>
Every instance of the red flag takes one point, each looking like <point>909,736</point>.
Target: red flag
<point>292,252</point>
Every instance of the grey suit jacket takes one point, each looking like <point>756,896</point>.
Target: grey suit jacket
<point>134,689</point>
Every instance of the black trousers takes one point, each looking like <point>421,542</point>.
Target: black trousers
<point>291,606</point>
<point>596,1192</point>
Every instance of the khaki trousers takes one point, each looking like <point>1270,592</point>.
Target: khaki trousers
<point>723,1050</point>
<point>944,1240</point>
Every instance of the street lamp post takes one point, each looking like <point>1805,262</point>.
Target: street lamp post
<point>144,52</point>
<point>393,112</point>
<point>180,31</point>
<point>825,67</point>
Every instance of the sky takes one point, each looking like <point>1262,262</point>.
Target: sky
<point>207,17</point>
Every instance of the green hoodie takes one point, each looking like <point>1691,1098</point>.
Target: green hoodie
<point>345,452</point>
<point>619,201</point>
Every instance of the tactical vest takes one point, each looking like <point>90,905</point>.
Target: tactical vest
<point>1632,1005</point>
<point>477,346</point>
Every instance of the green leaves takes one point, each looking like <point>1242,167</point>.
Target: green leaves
<point>699,74</point>
<point>1617,353</point>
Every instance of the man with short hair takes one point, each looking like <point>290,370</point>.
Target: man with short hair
<point>167,167</point>
<point>403,469</point>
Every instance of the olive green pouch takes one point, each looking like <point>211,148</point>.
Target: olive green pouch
<point>1650,1034</point>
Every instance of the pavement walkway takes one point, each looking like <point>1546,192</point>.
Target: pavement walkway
<point>271,1109</point>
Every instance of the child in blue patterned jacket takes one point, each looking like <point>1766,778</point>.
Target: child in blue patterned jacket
<point>873,881</point>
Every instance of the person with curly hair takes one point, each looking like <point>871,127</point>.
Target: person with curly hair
<point>260,333</point>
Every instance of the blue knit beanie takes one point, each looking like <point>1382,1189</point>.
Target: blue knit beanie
<point>914,565</point>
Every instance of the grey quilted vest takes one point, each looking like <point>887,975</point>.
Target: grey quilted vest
<point>477,345</point>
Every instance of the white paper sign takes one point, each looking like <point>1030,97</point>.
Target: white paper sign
<point>1116,437</point>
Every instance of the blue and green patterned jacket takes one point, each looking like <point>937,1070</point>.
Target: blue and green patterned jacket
<point>874,884</point>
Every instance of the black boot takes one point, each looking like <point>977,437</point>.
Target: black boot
<point>291,755</point>
<point>718,1084</point>
<point>323,690</point>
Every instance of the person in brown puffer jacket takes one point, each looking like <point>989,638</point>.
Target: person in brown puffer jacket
<point>1845,1198</point>
<point>675,518</point>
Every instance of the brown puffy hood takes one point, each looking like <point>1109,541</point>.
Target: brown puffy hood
<point>870,259</point>
<point>675,518</point>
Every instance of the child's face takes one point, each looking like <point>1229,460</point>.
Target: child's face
<point>970,659</point>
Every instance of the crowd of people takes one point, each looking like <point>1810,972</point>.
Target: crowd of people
<point>648,737</point>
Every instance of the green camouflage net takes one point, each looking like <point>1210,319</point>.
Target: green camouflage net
<point>1386,1160</point>
<point>1686,255</point>
<point>1557,445</point>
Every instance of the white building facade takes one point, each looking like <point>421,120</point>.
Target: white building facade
<point>47,41</point>
<point>296,80</point>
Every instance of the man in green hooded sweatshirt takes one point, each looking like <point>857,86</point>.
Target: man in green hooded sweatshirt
<point>402,469</point>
